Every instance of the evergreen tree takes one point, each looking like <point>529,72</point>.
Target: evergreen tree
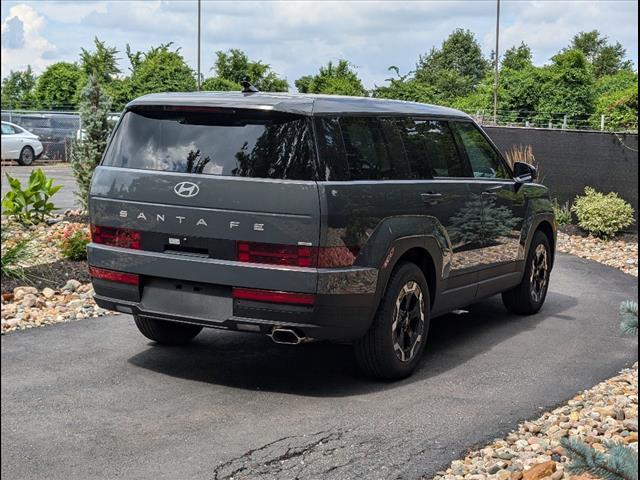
<point>629,314</point>
<point>88,149</point>
<point>619,463</point>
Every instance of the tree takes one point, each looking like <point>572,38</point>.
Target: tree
<point>517,58</point>
<point>620,108</point>
<point>88,149</point>
<point>567,87</point>
<point>604,57</point>
<point>234,66</point>
<point>333,79</point>
<point>159,70</point>
<point>217,84</point>
<point>57,87</point>
<point>17,89</point>
<point>403,87</point>
<point>456,68</point>
<point>103,62</point>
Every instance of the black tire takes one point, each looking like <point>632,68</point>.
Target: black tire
<point>166,333</point>
<point>378,352</point>
<point>528,297</point>
<point>27,156</point>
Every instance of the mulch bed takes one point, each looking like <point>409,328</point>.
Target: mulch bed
<point>53,275</point>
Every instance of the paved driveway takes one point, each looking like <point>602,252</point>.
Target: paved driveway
<point>65,198</point>
<point>94,399</point>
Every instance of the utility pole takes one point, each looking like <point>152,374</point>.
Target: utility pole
<point>496,66</point>
<point>199,8</point>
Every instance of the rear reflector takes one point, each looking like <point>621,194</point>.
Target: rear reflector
<point>295,255</point>
<point>113,276</point>
<point>273,296</point>
<point>115,237</point>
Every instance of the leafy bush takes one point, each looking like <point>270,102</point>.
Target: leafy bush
<point>31,204</point>
<point>74,242</point>
<point>562,213</point>
<point>602,215</point>
<point>13,255</point>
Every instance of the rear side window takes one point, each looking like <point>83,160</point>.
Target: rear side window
<point>374,149</point>
<point>8,130</point>
<point>246,144</point>
<point>483,158</point>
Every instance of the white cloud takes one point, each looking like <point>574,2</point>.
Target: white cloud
<point>33,47</point>
<point>297,37</point>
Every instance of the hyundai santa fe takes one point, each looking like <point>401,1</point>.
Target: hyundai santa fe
<point>310,217</point>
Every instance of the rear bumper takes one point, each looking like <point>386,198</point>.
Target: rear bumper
<point>198,290</point>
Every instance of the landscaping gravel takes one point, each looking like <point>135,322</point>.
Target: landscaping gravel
<point>620,253</point>
<point>607,412</point>
<point>27,307</point>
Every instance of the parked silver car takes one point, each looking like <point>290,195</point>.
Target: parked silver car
<point>19,144</point>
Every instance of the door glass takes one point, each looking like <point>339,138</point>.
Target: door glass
<point>483,158</point>
<point>431,149</point>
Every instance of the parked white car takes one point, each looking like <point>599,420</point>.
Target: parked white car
<point>19,144</point>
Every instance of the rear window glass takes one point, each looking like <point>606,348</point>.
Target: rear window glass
<point>247,144</point>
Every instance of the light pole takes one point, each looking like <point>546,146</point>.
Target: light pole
<point>199,45</point>
<point>496,66</point>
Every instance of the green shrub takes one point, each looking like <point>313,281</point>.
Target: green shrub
<point>74,243</point>
<point>31,204</point>
<point>13,255</point>
<point>562,213</point>
<point>602,215</point>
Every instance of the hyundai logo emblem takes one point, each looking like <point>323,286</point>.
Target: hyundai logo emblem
<point>186,189</point>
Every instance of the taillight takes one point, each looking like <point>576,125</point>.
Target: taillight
<point>273,296</point>
<point>115,237</point>
<point>113,276</point>
<point>295,255</point>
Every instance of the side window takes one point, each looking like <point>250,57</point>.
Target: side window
<point>484,160</point>
<point>333,163</point>
<point>373,148</point>
<point>432,149</point>
<point>7,130</point>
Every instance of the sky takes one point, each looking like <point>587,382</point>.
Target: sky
<point>296,38</point>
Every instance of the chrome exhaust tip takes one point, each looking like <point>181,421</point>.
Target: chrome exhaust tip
<point>287,336</point>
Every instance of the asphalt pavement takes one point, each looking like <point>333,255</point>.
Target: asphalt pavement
<point>95,399</point>
<point>64,199</point>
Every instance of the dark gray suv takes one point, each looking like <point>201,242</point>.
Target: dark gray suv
<point>310,217</point>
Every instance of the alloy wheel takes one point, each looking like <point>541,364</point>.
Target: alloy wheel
<point>408,321</point>
<point>539,273</point>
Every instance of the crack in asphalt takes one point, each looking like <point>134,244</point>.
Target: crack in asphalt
<point>252,463</point>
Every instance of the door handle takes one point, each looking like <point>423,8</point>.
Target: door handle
<point>430,197</point>
<point>493,191</point>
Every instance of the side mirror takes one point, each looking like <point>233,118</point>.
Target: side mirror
<point>524,172</point>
